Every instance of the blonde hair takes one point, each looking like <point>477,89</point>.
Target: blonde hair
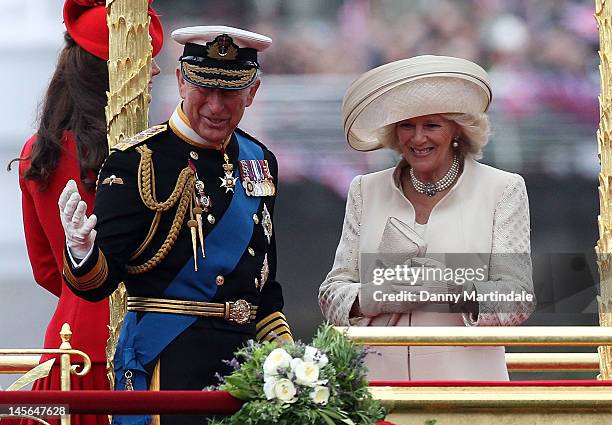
<point>475,132</point>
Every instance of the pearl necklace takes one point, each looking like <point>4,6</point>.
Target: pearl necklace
<point>431,188</point>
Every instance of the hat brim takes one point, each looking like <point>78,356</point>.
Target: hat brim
<point>410,88</point>
<point>204,34</point>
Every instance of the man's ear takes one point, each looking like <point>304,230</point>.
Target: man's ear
<point>252,92</point>
<point>182,86</point>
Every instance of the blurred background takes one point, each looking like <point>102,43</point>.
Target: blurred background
<point>542,58</point>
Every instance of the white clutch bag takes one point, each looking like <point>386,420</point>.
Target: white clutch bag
<point>400,243</point>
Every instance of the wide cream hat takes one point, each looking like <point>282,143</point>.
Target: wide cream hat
<point>409,88</point>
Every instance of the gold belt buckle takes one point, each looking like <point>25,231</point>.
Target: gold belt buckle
<point>239,311</point>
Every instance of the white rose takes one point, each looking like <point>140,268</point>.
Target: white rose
<point>306,373</point>
<point>294,362</point>
<point>278,358</point>
<point>269,388</point>
<point>285,391</point>
<point>320,395</point>
<point>311,354</point>
<point>322,360</point>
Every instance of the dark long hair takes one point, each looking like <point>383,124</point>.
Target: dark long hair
<point>75,101</point>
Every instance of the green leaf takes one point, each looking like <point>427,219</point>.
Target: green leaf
<point>333,414</point>
<point>345,374</point>
<point>240,394</point>
<point>326,418</point>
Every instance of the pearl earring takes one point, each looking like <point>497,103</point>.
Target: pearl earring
<point>456,142</point>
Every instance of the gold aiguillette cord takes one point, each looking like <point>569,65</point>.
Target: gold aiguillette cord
<point>200,203</point>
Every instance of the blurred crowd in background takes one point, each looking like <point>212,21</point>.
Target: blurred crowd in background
<point>541,56</point>
<point>539,52</point>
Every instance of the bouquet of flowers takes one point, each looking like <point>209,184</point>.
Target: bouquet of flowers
<point>320,384</point>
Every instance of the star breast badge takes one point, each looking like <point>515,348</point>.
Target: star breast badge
<point>228,182</point>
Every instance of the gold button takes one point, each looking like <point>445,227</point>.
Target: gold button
<point>211,219</point>
<point>251,251</point>
<point>255,219</point>
<point>193,155</point>
<point>220,280</point>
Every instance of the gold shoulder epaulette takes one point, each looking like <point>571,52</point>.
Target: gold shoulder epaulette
<point>139,138</point>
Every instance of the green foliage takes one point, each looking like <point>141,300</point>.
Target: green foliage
<point>341,374</point>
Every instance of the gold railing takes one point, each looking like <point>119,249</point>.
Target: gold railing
<point>456,403</point>
<point>506,336</point>
<point>472,404</point>
<point>26,361</point>
<point>525,336</point>
<point>552,362</point>
<point>16,364</point>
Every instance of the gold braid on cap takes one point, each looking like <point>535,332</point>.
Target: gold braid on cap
<point>181,195</point>
<point>244,76</point>
<point>226,72</point>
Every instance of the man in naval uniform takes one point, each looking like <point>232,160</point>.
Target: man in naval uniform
<point>184,218</point>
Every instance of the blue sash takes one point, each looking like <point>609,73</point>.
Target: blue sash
<point>142,342</point>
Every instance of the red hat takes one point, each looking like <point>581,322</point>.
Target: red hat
<point>85,21</point>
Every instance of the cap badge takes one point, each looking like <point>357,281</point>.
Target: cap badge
<point>222,48</point>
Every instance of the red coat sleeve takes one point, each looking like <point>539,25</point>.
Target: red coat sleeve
<point>44,265</point>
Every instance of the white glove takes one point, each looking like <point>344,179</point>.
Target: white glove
<point>78,228</point>
<point>432,279</point>
<point>441,291</point>
<point>400,294</point>
<point>420,284</point>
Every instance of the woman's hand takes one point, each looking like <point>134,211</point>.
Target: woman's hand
<point>400,293</point>
<point>78,228</point>
<point>410,288</point>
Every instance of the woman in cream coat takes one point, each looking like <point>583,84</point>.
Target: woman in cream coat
<point>438,201</point>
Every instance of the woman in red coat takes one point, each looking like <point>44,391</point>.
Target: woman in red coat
<point>71,144</point>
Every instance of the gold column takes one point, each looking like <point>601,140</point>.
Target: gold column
<point>603,16</point>
<point>129,70</point>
